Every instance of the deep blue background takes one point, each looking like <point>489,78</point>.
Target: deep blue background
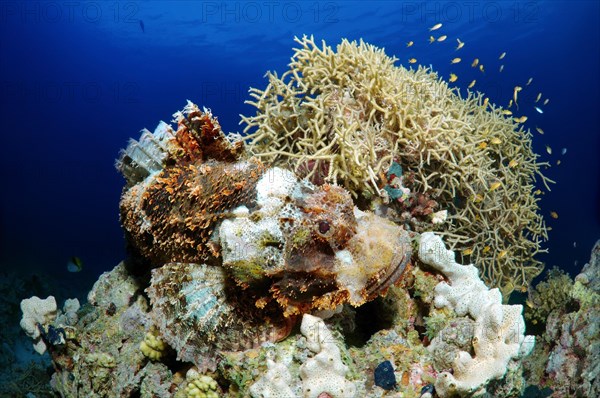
<point>77,79</point>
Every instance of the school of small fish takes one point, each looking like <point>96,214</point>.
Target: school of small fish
<point>476,63</point>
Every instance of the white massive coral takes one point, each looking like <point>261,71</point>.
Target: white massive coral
<point>499,334</point>
<point>325,372</point>
<point>273,384</point>
<point>37,312</point>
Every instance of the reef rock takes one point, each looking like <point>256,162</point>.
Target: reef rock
<point>567,360</point>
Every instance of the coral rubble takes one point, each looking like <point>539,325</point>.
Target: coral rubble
<point>347,115</point>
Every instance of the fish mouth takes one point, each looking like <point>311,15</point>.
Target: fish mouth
<point>384,279</point>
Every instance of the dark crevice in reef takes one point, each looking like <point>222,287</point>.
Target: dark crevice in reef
<point>135,394</point>
<point>369,320</point>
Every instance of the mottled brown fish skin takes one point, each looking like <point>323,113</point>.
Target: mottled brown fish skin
<point>170,217</point>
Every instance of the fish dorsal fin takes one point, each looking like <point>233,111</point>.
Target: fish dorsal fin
<point>198,138</point>
<point>148,155</point>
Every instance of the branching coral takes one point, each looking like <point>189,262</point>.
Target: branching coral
<point>344,116</point>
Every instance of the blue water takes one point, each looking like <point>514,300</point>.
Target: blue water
<point>77,79</point>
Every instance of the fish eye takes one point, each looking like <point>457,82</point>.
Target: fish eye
<point>324,227</point>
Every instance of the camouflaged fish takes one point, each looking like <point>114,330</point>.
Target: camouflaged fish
<point>239,250</point>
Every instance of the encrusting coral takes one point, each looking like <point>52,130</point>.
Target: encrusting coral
<point>345,116</point>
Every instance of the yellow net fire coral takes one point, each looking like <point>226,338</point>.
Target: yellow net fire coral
<point>345,116</point>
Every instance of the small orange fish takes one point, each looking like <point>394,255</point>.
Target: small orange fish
<point>477,198</point>
<point>521,119</point>
<point>554,214</point>
<point>502,253</point>
<point>483,145</point>
<point>471,84</point>
<point>412,61</point>
<point>495,185</point>
<point>529,304</point>
<point>475,62</point>
<point>442,38</point>
<point>513,163</point>
<point>453,78</point>
<point>466,252</point>
<point>516,94</point>
<point>486,249</point>
<point>455,60</point>
<point>523,289</point>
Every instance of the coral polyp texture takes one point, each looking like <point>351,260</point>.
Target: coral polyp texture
<point>238,250</point>
<point>499,330</point>
<point>37,314</point>
<point>346,116</point>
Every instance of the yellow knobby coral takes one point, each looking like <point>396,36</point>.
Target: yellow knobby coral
<point>153,347</point>
<point>343,116</point>
<point>201,386</point>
